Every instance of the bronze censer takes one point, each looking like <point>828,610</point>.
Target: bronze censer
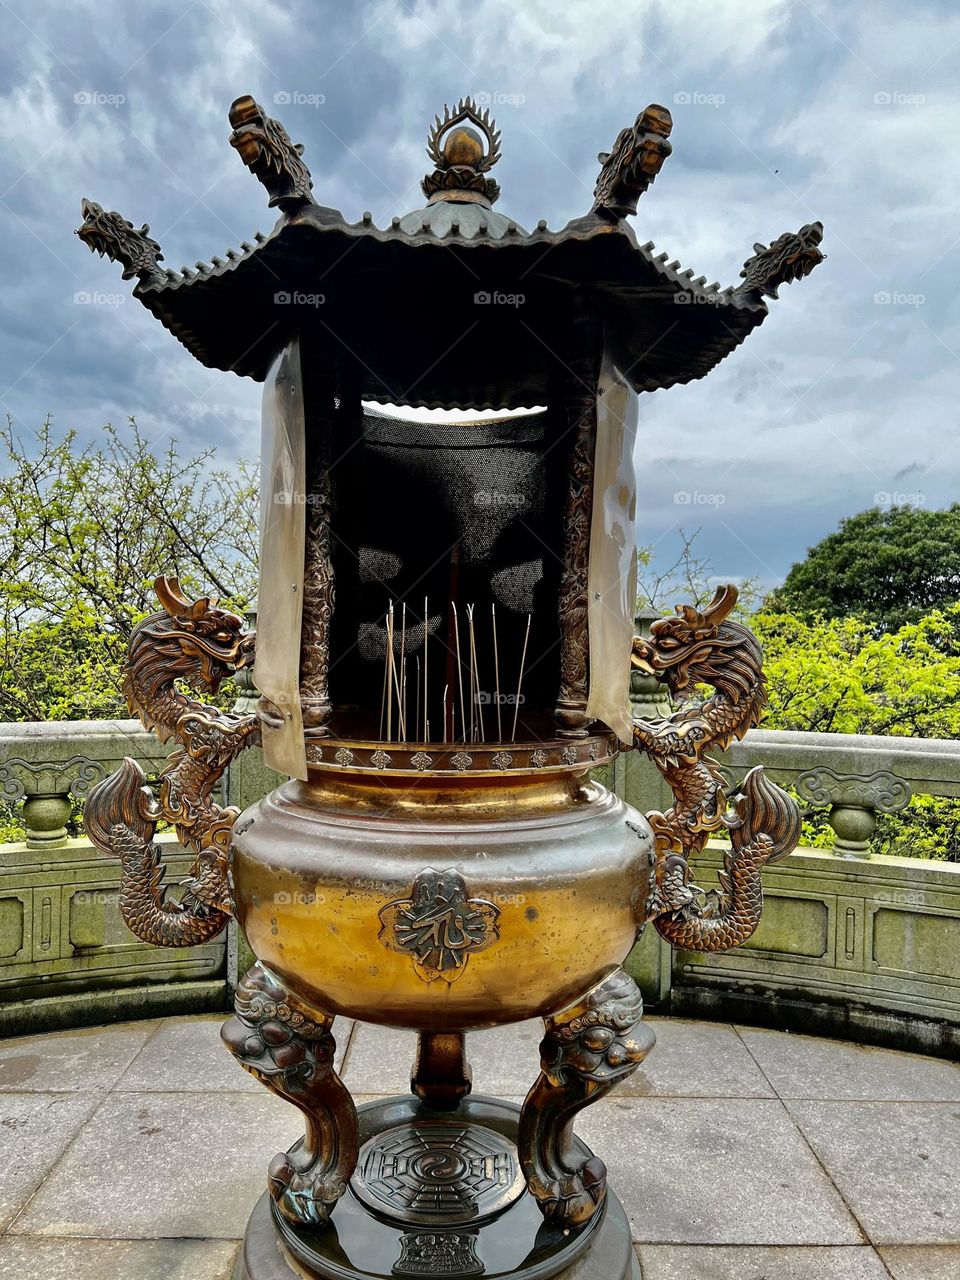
<point>443,652</point>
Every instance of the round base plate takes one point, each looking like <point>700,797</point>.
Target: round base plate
<point>432,1173</point>
<point>417,1152</point>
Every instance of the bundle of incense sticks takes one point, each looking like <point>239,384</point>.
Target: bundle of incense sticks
<point>393,708</point>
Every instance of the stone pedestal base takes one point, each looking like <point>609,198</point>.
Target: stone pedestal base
<point>438,1194</point>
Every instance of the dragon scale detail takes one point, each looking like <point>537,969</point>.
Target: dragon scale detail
<point>199,643</point>
<point>691,649</point>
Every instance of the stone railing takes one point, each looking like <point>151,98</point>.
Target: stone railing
<point>66,958</point>
<point>853,776</point>
<point>856,776</point>
<point>851,942</point>
<point>44,765</point>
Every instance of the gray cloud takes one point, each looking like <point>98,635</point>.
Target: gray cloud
<point>783,112</point>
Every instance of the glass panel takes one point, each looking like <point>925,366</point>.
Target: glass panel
<point>612,574</point>
<point>276,672</point>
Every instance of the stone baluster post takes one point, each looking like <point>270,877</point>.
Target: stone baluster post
<point>649,696</point>
<point>854,800</point>
<point>46,787</point>
<point>248,696</point>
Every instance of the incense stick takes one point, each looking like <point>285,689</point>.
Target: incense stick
<point>390,672</point>
<point>383,696</point>
<point>401,722</point>
<point>426,686</point>
<point>476,724</point>
<point>402,691</point>
<point>456,640</point>
<point>446,690</point>
<point>473,704</point>
<point>523,658</point>
<point>496,669</point>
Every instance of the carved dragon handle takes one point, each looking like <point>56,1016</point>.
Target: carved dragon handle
<point>696,648</point>
<point>199,643</point>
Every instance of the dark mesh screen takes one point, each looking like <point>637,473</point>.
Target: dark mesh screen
<point>432,515</point>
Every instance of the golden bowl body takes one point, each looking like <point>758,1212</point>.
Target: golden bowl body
<point>555,872</point>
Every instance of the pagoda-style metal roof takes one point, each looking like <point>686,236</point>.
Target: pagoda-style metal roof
<point>403,297</point>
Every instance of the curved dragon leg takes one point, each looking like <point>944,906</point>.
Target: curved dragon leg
<point>286,1044</point>
<point>589,1047</point>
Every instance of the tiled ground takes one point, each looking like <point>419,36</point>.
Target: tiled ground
<point>136,1151</point>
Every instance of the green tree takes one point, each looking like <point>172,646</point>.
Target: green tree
<point>889,567</point>
<point>83,534</point>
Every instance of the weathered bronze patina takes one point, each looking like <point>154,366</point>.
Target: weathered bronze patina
<point>200,644</point>
<point>442,670</point>
<point>708,648</point>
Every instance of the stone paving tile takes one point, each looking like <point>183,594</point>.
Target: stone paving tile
<point>807,1067</point>
<point>505,1060</point>
<point>922,1262</point>
<point>716,1187</point>
<point>895,1163</point>
<point>715,1171</point>
<point>35,1130</point>
<point>23,1258</point>
<point>92,1058</point>
<point>697,1059</point>
<point>187,1055</point>
<point>731,1262</point>
<point>153,1165</point>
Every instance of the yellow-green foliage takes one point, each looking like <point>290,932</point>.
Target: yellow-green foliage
<point>838,676</point>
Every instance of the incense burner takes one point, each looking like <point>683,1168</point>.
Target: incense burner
<point>446,634</point>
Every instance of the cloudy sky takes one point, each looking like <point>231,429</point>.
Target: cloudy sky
<point>783,113</point>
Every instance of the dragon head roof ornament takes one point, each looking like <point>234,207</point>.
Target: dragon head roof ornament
<point>637,157</point>
<point>264,146</point>
<point>791,257</point>
<point>110,234</point>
